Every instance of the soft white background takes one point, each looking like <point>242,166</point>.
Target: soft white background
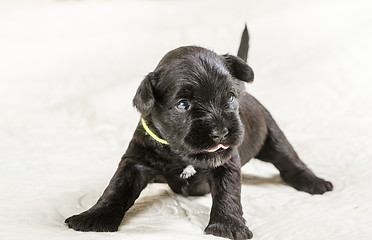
<point>68,73</point>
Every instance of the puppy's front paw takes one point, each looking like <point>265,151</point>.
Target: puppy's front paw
<point>96,220</point>
<point>233,232</point>
<point>306,181</point>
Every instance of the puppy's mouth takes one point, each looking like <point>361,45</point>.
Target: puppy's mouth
<point>216,148</point>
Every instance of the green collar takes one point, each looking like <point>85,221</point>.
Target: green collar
<point>151,133</point>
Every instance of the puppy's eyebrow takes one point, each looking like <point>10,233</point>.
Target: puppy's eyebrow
<point>186,92</point>
<point>233,90</point>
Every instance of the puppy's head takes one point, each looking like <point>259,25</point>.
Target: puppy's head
<point>192,100</point>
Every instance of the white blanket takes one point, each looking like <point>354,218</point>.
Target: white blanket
<point>69,71</point>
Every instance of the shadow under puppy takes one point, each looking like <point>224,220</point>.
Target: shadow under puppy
<point>198,127</point>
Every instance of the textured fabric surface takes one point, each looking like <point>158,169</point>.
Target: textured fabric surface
<point>69,71</point>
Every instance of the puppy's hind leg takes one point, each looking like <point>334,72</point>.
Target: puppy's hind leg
<point>278,151</point>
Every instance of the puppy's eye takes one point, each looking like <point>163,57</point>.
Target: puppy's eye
<point>183,105</point>
<point>231,97</point>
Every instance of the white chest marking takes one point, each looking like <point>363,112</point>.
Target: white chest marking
<point>188,172</point>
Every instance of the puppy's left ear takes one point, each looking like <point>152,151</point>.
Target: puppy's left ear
<point>144,99</point>
<point>238,68</point>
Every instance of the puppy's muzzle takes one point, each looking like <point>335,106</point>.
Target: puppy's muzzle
<point>219,135</point>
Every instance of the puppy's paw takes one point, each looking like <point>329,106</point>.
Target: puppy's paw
<point>96,220</point>
<point>306,181</point>
<point>233,232</point>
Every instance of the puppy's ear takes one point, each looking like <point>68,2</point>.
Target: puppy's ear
<point>144,99</point>
<point>238,68</point>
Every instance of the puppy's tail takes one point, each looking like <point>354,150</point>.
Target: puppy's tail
<point>244,45</point>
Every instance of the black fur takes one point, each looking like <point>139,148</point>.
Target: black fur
<point>220,112</point>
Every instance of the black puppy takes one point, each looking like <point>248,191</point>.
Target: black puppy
<point>198,127</point>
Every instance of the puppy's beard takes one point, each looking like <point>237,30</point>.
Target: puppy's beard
<point>197,148</point>
<point>211,155</point>
<point>206,159</point>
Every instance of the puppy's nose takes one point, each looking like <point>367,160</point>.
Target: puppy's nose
<point>218,135</point>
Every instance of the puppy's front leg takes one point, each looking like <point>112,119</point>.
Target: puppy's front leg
<point>124,188</point>
<point>226,218</point>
